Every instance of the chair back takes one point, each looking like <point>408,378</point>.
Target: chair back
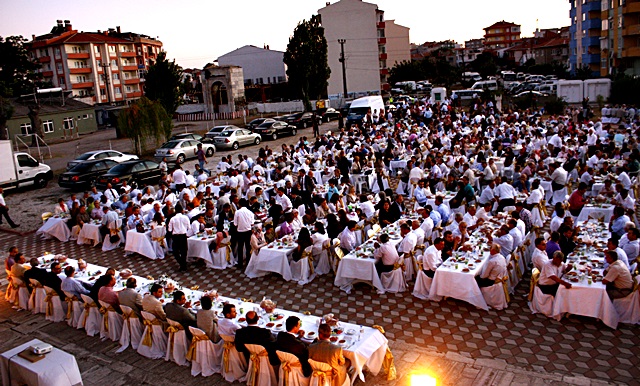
<point>35,283</point>
<point>322,373</point>
<point>535,275</point>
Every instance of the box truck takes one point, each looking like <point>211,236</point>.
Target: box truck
<point>19,169</point>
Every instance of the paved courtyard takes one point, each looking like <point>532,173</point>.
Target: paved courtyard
<point>456,341</point>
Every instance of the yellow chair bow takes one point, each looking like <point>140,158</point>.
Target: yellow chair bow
<point>105,316</point>
<point>388,364</point>
<point>49,300</point>
<point>87,308</point>
<point>191,353</point>
<point>535,275</point>
<point>255,361</point>
<point>309,257</point>
<point>505,288</point>
<point>226,354</point>
<point>228,248</point>
<point>70,302</point>
<point>323,376</point>
<point>287,367</point>
<point>148,336</point>
<point>160,240</point>
<point>172,332</point>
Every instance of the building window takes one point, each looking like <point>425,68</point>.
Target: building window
<point>47,126</point>
<point>117,90</point>
<point>129,89</point>
<point>103,92</point>
<point>85,116</point>
<point>60,80</point>
<point>584,16</point>
<point>116,77</point>
<point>112,48</point>
<point>67,123</point>
<point>57,52</point>
<point>25,128</point>
<point>605,24</point>
<point>96,49</point>
<point>81,78</point>
<point>619,21</point>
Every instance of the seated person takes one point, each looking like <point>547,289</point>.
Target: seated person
<point>304,241</point>
<point>108,295</point>
<point>289,341</point>
<point>72,285</point>
<point>494,269</point>
<point>179,311</point>
<point>385,254</point>
<point>227,325</point>
<point>552,271</point>
<point>130,297</point>
<point>206,319</point>
<point>324,351</point>
<point>252,334</point>
<point>617,277</point>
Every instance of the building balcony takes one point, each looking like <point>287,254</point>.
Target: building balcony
<point>591,6</point>
<point>592,24</point>
<point>128,54</point>
<point>631,30</point>
<point>130,68</point>
<point>382,40</point>
<point>47,74</point>
<point>631,52</point>
<point>76,86</point>
<point>631,7</point>
<point>593,41</point>
<point>132,81</point>
<point>591,58</point>
<point>44,59</point>
<point>380,24</point>
<point>78,55</point>
<point>135,94</point>
<point>83,70</point>
<point>384,71</point>
<point>382,56</point>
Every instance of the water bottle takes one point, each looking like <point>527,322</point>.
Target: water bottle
<point>361,333</point>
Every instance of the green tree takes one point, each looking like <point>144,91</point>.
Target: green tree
<point>485,64</point>
<point>162,83</point>
<point>584,72</point>
<point>406,70</point>
<point>145,119</point>
<point>6,112</point>
<point>306,60</point>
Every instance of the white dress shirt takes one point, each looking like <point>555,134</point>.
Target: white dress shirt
<point>427,227</point>
<point>539,258</point>
<point>495,268</point>
<point>179,177</point>
<point>431,259</point>
<point>284,201</point>
<point>408,243</point>
<point>387,253</point>
<point>348,239</point>
<point>179,224</point>
<point>112,195</point>
<point>243,219</point>
<point>419,235</point>
<point>227,327</point>
<point>368,209</point>
<point>548,270</point>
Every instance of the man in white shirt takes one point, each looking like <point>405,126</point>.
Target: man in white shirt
<point>409,241</point>
<point>558,176</point>
<point>223,165</point>
<point>617,277</point>
<point>630,244</point>
<point>385,254</point>
<point>594,160</point>
<point>484,213</point>
<point>179,178</point>
<point>227,325</point>
<point>283,200</point>
<point>111,194</point>
<point>179,227</point>
<point>348,239</point>
<point>243,220</point>
<point>427,223</point>
<point>420,193</point>
<point>488,194</point>
<point>515,232</point>
<point>415,228</point>
<point>539,257</point>
<point>367,206</point>
<point>551,275</point>
<point>495,268</point>
<point>432,257</point>
<point>504,239</point>
<point>506,195</point>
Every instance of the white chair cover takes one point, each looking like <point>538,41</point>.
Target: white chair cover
<point>21,296</point>
<point>177,344</point>
<point>628,308</point>
<point>234,365</point>
<point>204,359</point>
<point>495,296</point>
<point>301,270</point>
<point>322,374</point>
<point>409,269</point>
<point>75,232</point>
<point>260,371</point>
<point>112,322</point>
<point>541,303</point>
<point>291,369</point>
<point>74,310</point>
<point>375,188</point>
<point>394,281</point>
<point>423,286</point>
<point>537,218</point>
<point>54,312</point>
<point>223,257</point>
<point>114,226</point>
<point>90,318</point>
<point>36,301</point>
<point>131,329</point>
<point>153,344</point>
<point>321,257</point>
<point>158,241</point>
<point>559,195</point>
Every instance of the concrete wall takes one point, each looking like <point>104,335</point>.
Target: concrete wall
<point>355,21</point>
<point>256,63</point>
<point>85,120</point>
<point>398,46</point>
<point>278,107</point>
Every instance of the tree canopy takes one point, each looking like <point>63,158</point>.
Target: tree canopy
<point>306,60</point>
<point>145,119</point>
<point>435,69</point>
<point>163,83</point>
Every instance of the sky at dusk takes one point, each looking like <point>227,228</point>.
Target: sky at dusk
<point>196,32</point>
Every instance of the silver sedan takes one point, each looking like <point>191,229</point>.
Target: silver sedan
<point>181,150</point>
<point>234,138</point>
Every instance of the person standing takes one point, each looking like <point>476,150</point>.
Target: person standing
<point>243,220</point>
<point>202,159</point>
<point>4,211</point>
<point>316,127</point>
<point>179,226</point>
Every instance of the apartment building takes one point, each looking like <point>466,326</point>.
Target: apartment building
<point>97,67</point>
<point>259,65</point>
<point>620,37</point>
<point>585,34</point>
<point>502,34</point>
<point>362,26</point>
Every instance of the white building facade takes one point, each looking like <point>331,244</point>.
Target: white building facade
<point>259,65</point>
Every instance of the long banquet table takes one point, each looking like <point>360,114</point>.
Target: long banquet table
<point>55,226</point>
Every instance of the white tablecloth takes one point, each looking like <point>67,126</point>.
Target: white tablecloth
<point>58,368</point>
<point>90,233</point>
<point>200,248</point>
<point>395,166</point>
<point>55,227</point>
<point>606,211</point>
<point>451,282</point>
<point>587,300</point>
<point>271,260</point>
<point>140,243</point>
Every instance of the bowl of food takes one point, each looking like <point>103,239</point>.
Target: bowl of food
<point>465,269</point>
<point>126,273</point>
<point>342,341</point>
<point>333,339</point>
<point>270,325</point>
<point>311,334</point>
<point>242,320</point>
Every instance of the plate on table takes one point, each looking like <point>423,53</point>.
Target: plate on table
<point>270,325</point>
<point>278,327</point>
<point>333,339</point>
<point>465,269</point>
<point>351,331</point>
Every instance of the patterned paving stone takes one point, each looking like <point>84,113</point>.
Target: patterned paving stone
<point>575,346</point>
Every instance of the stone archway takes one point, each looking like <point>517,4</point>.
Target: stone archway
<point>219,95</point>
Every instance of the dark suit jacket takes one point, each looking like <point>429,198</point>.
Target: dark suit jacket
<point>179,314</point>
<point>288,343</point>
<point>54,282</point>
<point>260,336</point>
<point>36,273</point>
<point>308,184</point>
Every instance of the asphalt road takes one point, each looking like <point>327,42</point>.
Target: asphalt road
<point>27,205</point>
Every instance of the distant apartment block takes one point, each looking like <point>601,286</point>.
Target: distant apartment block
<point>620,37</point>
<point>501,35</point>
<point>98,67</point>
<point>585,33</point>
<point>259,65</point>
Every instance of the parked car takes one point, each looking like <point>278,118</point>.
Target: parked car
<point>101,154</point>
<point>83,175</point>
<point>215,131</point>
<point>257,122</point>
<point>234,138</point>
<point>275,129</point>
<point>531,93</point>
<point>330,114</point>
<point>136,173</point>
<point>176,137</point>
<point>182,149</point>
<point>302,120</point>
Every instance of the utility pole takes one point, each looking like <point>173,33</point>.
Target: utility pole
<point>105,76</point>
<point>344,67</point>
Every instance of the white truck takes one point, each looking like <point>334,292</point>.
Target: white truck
<point>570,90</point>
<point>18,169</point>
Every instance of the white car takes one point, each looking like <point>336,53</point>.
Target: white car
<point>101,154</point>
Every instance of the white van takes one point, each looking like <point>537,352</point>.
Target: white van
<point>486,85</point>
<point>465,94</point>
<point>471,77</point>
<point>361,106</point>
